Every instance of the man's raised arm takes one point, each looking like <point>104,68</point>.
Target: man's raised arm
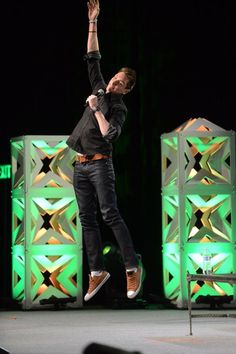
<point>93,12</point>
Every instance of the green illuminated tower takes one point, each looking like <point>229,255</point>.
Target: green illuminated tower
<point>46,232</point>
<point>198,207</point>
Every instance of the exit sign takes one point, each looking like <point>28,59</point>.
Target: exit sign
<point>5,171</point>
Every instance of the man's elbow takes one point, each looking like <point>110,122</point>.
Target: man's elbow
<point>112,134</point>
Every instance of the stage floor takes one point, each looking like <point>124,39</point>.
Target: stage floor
<point>148,331</point>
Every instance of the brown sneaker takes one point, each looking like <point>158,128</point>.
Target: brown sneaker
<point>95,283</point>
<point>134,282</point>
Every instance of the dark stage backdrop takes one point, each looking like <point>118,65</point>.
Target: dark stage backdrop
<point>184,54</point>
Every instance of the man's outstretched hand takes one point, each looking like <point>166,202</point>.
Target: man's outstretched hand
<point>93,9</point>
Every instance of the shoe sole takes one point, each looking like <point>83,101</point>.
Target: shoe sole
<point>94,292</point>
<point>139,288</point>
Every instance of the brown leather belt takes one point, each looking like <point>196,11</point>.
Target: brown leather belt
<point>87,158</point>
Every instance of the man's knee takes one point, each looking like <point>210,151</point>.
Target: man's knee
<point>111,217</point>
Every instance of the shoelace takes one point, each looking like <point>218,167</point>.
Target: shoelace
<point>92,281</point>
<point>132,280</point>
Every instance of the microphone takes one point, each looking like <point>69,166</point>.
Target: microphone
<point>100,93</point>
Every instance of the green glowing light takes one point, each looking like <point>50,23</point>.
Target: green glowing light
<point>49,150</point>
<point>106,250</point>
<point>5,171</point>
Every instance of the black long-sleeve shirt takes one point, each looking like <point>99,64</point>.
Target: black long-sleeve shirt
<point>86,137</point>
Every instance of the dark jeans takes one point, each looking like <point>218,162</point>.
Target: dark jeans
<point>94,183</point>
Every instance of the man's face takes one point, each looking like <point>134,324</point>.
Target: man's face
<point>118,84</point>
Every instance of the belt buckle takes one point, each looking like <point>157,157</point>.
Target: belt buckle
<point>89,157</point>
